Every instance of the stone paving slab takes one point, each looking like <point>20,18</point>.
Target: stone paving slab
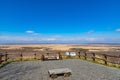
<point>38,70</point>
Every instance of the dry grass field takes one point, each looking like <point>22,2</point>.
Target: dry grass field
<point>112,49</point>
<point>64,46</point>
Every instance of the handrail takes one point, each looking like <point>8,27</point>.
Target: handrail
<point>105,57</point>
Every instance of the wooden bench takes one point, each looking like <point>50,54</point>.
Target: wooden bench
<point>66,72</point>
<point>46,58</point>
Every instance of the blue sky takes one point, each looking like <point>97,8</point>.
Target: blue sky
<point>59,21</point>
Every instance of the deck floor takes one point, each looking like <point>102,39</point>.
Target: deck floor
<point>38,70</point>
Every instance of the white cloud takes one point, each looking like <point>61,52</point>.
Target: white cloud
<point>32,32</point>
<point>51,39</point>
<point>94,39</point>
<point>35,33</point>
<point>117,30</point>
<point>32,39</point>
<point>91,31</point>
<point>55,39</point>
<point>90,39</point>
<point>29,31</point>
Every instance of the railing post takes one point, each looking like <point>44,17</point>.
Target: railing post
<point>60,56</point>
<point>6,56</point>
<point>35,55</point>
<point>79,54</point>
<point>47,54</point>
<point>69,55</point>
<point>93,56</point>
<point>85,55</point>
<point>0,58</point>
<point>119,59</point>
<point>42,57</point>
<point>21,56</point>
<point>105,61</point>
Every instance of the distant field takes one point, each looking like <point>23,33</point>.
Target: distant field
<point>111,49</point>
<point>64,46</point>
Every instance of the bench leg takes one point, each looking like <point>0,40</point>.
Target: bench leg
<point>67,74</point>
<point>53,76</point>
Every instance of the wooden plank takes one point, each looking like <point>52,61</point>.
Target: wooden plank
<point>113,62</point>
<point>100,58</point>
<point>112,56</point>
<point>51,58</point>
<point>59,71</point>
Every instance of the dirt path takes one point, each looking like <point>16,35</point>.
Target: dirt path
<point>37,70</point>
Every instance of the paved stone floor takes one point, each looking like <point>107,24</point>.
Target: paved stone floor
<point>38,70</point>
